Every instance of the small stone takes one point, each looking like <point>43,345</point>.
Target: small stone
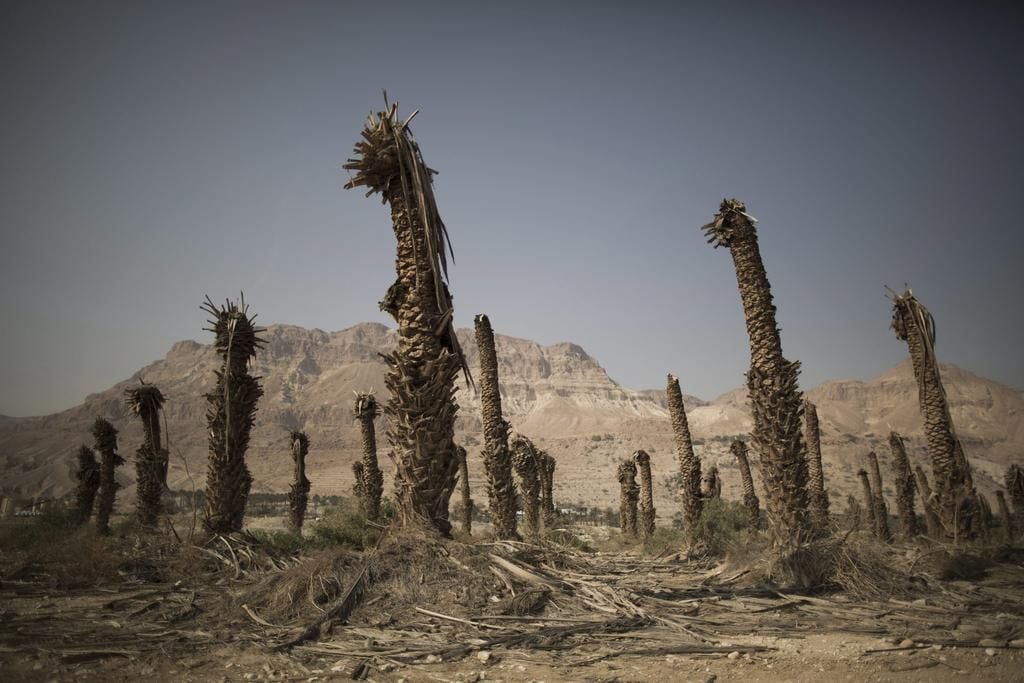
<point>734,654</point>
<point>990,642</point>
<point>485,656</point>
<point>906,642</point>
<point>919,601</point>
<point>1019,643</point>
<point>520,668</point>
<point>936,646</point>
<point>432,659</point>
<point>990,651</point>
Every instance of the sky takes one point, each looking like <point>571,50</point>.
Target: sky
<point>157,152</point>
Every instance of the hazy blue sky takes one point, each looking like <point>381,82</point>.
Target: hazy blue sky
<point>157,152</point>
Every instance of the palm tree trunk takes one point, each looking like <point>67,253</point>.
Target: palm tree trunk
<point>467,501</point>
<point>230,415</point>
<point>816,492</point>
<point>547,494</point>
<point>366,410</point>
<point>527,464</point>
<point>711,484</point>
<point>106,445</point>
<point>1014,481</point>
<point>359,484</point>
<point>853,511</point>
<point>501,492</point>
<point>931,518</point>
<point>904,486</point>
<point>628,495</point>
<point>689,464</point>
<point>298,496</point>
<point>88,477</point>
<point>956,502</point>
<point>869,501</point>
<point>145,401</point>
<point>645,507</point>
<point>1004,512</point>
<point>881,516</point>
<point>775,398</point>
<point>421,371</point>
<point>750,501</point>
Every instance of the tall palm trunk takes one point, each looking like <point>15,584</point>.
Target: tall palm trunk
<point>689,464</point>
<point>711,484</point>
<point>467,501</point>
<point>931,518</point>
<point>628,496</point>
<point>645,507</point>
<point>422,370</point>
<point>366,410</point>
<point>230,415</point>
<point>547,494</point>
<point>956,502</point>
<point>501,492</point>
<point>526,460</point>
<point>106,445</point>
<point>151,459</point>
<point>816,493</point>
<point>869,501</point>
<point>881,516</point>
<point>775,398</point>
<point>1004,513</point>
<point>853,510</point>
<point>904,477</point>
<point>1014,481</point>
<point>88,477</point>
<point>750,501</point>
<point>298,496</point>
<point>359,484</point>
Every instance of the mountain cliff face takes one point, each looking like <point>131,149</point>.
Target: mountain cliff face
<point>558,395</point>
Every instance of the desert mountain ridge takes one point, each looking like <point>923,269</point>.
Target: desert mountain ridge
<point>558,395</point>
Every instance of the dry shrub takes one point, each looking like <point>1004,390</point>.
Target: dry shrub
<point>305,587</point>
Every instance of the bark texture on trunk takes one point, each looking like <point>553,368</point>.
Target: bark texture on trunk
<point>1014,481</point>
<point>359,484</point>
<point>775,398</point>
<point>869,501</point>
<point>547,494</point>
<point>931,518</point>
<point>298,496</point>
<point>905,487</point>
<point>422,370</point>
<point>151,459</point>
<point>1009,527</point>
<point>853,511</point>
<point>501,492</point>
<point>366,410</point>
<point>645,506</point>
<point>955,499</point>
<point>527,461</point>
<point>88,477</point>
<point>230,415</point>
<point>816,493</point>
<point>629,494</point>
<point>750,501</point>
<point>106,445</point>
<point>689,464</point>
<point>881,516</point>
<point>711,484</point>
<point>467,501</point>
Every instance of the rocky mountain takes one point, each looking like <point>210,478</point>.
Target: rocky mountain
<point>558,395</point>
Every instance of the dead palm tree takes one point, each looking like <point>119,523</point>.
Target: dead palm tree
<point>775,398</point>
<point>711,484</point>
<point>645,507</point>
<point>689,463</point>
<point>298,495</point>
<point>88,477</point>
<point>628,496</point>
<point>750,501</point>
<point>816,492</point>
<point>869,501</point>
<point>421,371</point>
<point>853,510</point>
<point>366,410</point>
<point>467,501</point>
<point>931,519</point>
<point>501,492</point>
<point>905,487</point>
<point>230,414</point>
<point>547,494</point>
<point>1014,481</point>
<point>106,445</point>
<point>359,484</point>
<point>151,459</point>
<point>527,463</point>
<point>956,502</point>
<point>881,516</point>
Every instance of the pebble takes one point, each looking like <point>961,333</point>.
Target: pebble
<point>906,642</point>
<point>734,654</point>
<point>432,659</point>
<point>1017,643</point>
<point>484,656</point>
<point>520,668</point>
<point>990,652</point>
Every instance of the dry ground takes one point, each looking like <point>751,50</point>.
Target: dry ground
<point>443,611</point>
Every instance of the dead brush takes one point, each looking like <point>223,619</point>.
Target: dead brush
<point>304,588</point>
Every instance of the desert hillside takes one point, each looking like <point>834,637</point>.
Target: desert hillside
<point>558,394</point>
